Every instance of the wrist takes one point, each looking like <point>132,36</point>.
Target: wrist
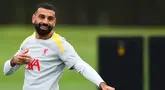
<point>12,63</point>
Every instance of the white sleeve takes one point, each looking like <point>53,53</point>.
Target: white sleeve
<point>88,72</point>
<point>73,60</point>
<point>69,56</point>
<point>8,69</point>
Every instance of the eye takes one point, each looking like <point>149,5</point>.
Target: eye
<point>41,16</point>
<point>50,18</point>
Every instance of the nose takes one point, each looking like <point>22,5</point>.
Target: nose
<point>45,21</point>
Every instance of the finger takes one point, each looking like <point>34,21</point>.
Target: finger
<point>28,61</point>
<point>24,61</point>
<point>20,60</point>
<point>19,63</point>
<point>26,51</point>
<point>22,56</point>
<point>25,56</point>
<point>111,88</point>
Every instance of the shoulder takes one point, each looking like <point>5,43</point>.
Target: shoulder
<point>60,41</point>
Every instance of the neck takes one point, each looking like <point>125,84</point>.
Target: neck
<point>44,37</point>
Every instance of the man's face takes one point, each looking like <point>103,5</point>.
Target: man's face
<point>44,21</point>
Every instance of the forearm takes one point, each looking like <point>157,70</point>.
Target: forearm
<point>8,69</point>
<point>88,72</point>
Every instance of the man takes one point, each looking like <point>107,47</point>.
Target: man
<point>45,54</point>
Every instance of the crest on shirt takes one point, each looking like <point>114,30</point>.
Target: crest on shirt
<point>45,51</point>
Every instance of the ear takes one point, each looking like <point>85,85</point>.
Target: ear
<point>33,18</point>
<point>55,22</point>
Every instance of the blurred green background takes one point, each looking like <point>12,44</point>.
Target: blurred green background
<point>83,39</point>
<point>81,22</point>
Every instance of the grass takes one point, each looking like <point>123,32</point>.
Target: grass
<point>83,39</point>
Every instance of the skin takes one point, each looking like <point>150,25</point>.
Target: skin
<point>21,59</point>
<point>103,86</point>
<point>43,16</point>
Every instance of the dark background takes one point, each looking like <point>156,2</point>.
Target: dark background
<point>88,12</point>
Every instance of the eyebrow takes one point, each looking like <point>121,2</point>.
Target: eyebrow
<point>41,15</point>
<point>47,16</point>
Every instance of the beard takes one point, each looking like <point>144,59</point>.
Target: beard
<point>41,31</point>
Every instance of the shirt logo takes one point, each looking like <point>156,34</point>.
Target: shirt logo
<point>45,51</point>
<point>34,63</point>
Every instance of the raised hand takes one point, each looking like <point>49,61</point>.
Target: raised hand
<point>106,87</point>
<point>21,59</point>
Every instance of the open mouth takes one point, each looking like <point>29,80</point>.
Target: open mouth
<point>44,27</point>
